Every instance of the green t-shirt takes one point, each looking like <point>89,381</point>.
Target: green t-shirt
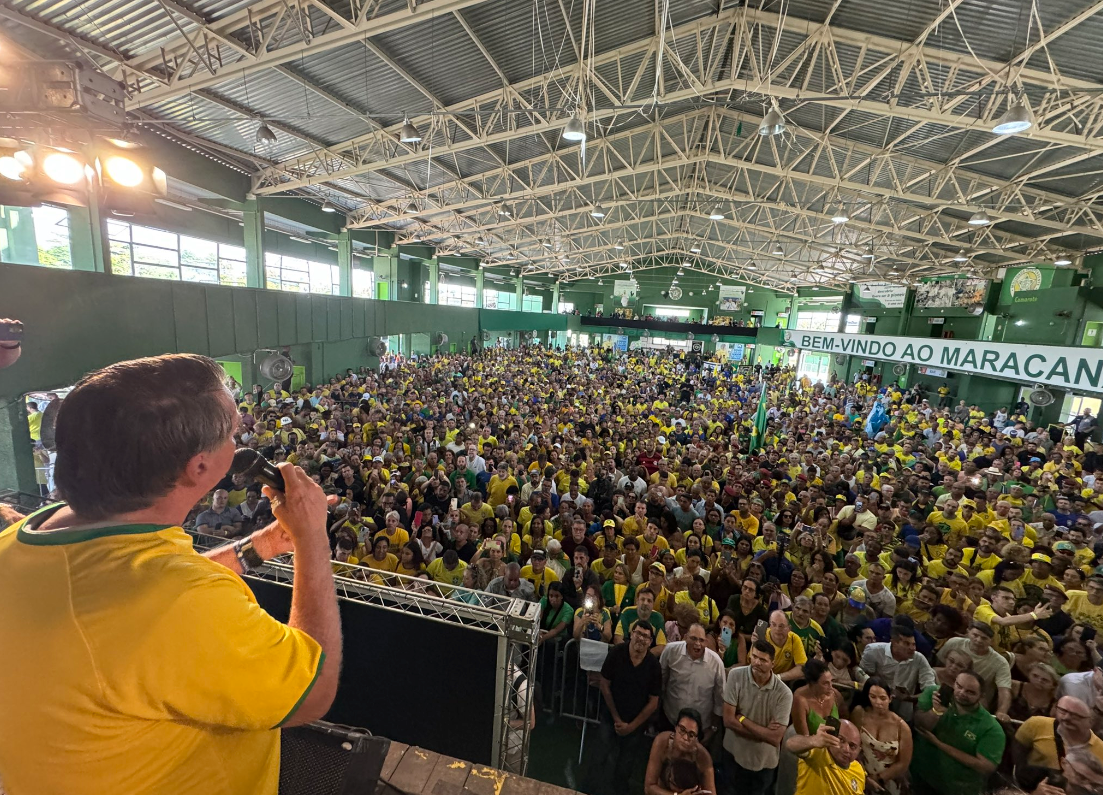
<point>628,618</point>
<point>551,619</point>
<point>809,636</point>
<point>975,733</point>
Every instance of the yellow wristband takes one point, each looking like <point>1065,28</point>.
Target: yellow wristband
<point>742,718</point>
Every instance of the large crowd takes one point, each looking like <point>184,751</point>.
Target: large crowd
<point>871,592</point>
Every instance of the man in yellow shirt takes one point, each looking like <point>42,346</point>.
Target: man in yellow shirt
<point>34,421</point>
<point>1087,605</point>
<point>538,573</point>
<point>789,653</point>
<point>953,526</point>
<point>499,485</point>
<point>110,577</point>
<point>827,764</point>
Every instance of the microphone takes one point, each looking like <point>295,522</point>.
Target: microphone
<point>253,465</point>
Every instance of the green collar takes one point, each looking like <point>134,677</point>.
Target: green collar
<point>29,534</point>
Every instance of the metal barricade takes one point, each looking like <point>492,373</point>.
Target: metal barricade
<point>549,675</point>
<point>580,696</point>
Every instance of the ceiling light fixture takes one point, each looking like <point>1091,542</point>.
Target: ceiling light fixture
<point>619,246</point>
<point>751,266</point>
<point>840,216</point>
<point>681,272</point>
<point>622,264</point>
<point>123,171</point>
<point>63,167</point>
<point>773,123</point>
<point>778,250</point>
<point>411,208</point>
<point>265,134</point>
<point>328,207</point>
<point>961,256</point>
<point>503,211</point>
<point>868,254</point>
<point>597,212</point>
<point>1015,119</point>
<point>695,249</point>
<point>979,218</point>
<point>408,133</point>
<point>1062,259</point>
<point>717,214</point>
<point>546,243</point>
<point>574,130</point>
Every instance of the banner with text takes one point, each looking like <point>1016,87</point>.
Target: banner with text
<point>890,296</point>
<point>1058,366</point>
<point>731,298</point>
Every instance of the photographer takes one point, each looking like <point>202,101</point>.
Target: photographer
<point>169,664</point>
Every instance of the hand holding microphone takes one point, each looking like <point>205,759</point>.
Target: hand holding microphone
<point>298,503</point>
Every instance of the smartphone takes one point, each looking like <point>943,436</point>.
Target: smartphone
<point>726,636</point>
<point>1089,633</point>
<point>946,695</point>
<point>417,520</point>
<point>761,629</point>
<point>832,724</point>
<point>453,504</point>
<point>726,555</point>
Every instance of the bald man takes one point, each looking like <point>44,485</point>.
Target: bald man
<point>1035,748</point>
<point>827,764</point>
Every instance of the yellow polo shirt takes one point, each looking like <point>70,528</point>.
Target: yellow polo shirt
<point>788,655</point>
<point>819,774</point>
<point>142,667</point>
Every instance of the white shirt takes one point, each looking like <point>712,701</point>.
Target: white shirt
<point>692,683</point>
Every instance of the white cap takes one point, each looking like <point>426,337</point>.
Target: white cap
<point>285,420</point>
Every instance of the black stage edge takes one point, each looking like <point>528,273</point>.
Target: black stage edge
<point>412,679</point>
<point>671,325</point>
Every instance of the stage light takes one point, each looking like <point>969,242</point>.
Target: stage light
<point>63,168</point>
<point>14,164</point>
<point>123,171</point>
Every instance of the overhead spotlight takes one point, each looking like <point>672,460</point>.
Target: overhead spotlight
<point>773,123</point>
<point>868,253</point>
<point>961,256</point>
<point>503,211</point>
<point>123,171</point>
<point>681,272</point>
<point>479,241</point>
<point>265,134</point>
<point>717,214</point>
<point>14,164</point>
<point>979,218</point>
<point>404,285</point>
<point>695,249</point>
<point>778,250</point>
<point>601,281</point>
<point>619,246</point>
<point>622,264</point>
<point>751,266</point>
<point>1015,119</point>
<point>63,168</point>
<point>574,130</point>
<point>328,207</point>
<point>408,133</point>
<point>1062,259</point>
<point>411,208</point>
<point>840,216</point>
<point>597,212</point>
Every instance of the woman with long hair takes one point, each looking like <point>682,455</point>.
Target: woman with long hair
<point>618,593</point>
<point>817,699</point>
<point>592,620</point>
<point>904,580</point>
<point>886,738</point>
<point>1035,696</point>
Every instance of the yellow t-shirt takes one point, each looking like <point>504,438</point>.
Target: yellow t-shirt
<point>633,526</point>
<point>953,530</point>
<point>819,774</point>
<point>748,525</point>
<point>540,581</point>
<point>389,563</point>
<point>114,626</point>
<point>1082,610</point>
<point>788,655</point>
<point>1036,733</point>
<point>978,562</point>
<point>440,574</point>
<point>496,490</point>
<point>34,424</point>
<point>400,539</point>
<point>645,545</point>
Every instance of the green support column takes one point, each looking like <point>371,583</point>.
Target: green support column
<point>344,262</point>
<point>434,281</point>
<point>791,321</point>
<point>252,215</point>
<point>16,447</point>
<point>479,288</point>
<point>555,298</point>
<point>88,243</point>
<point>520,293</point>
<point>845,306</point>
